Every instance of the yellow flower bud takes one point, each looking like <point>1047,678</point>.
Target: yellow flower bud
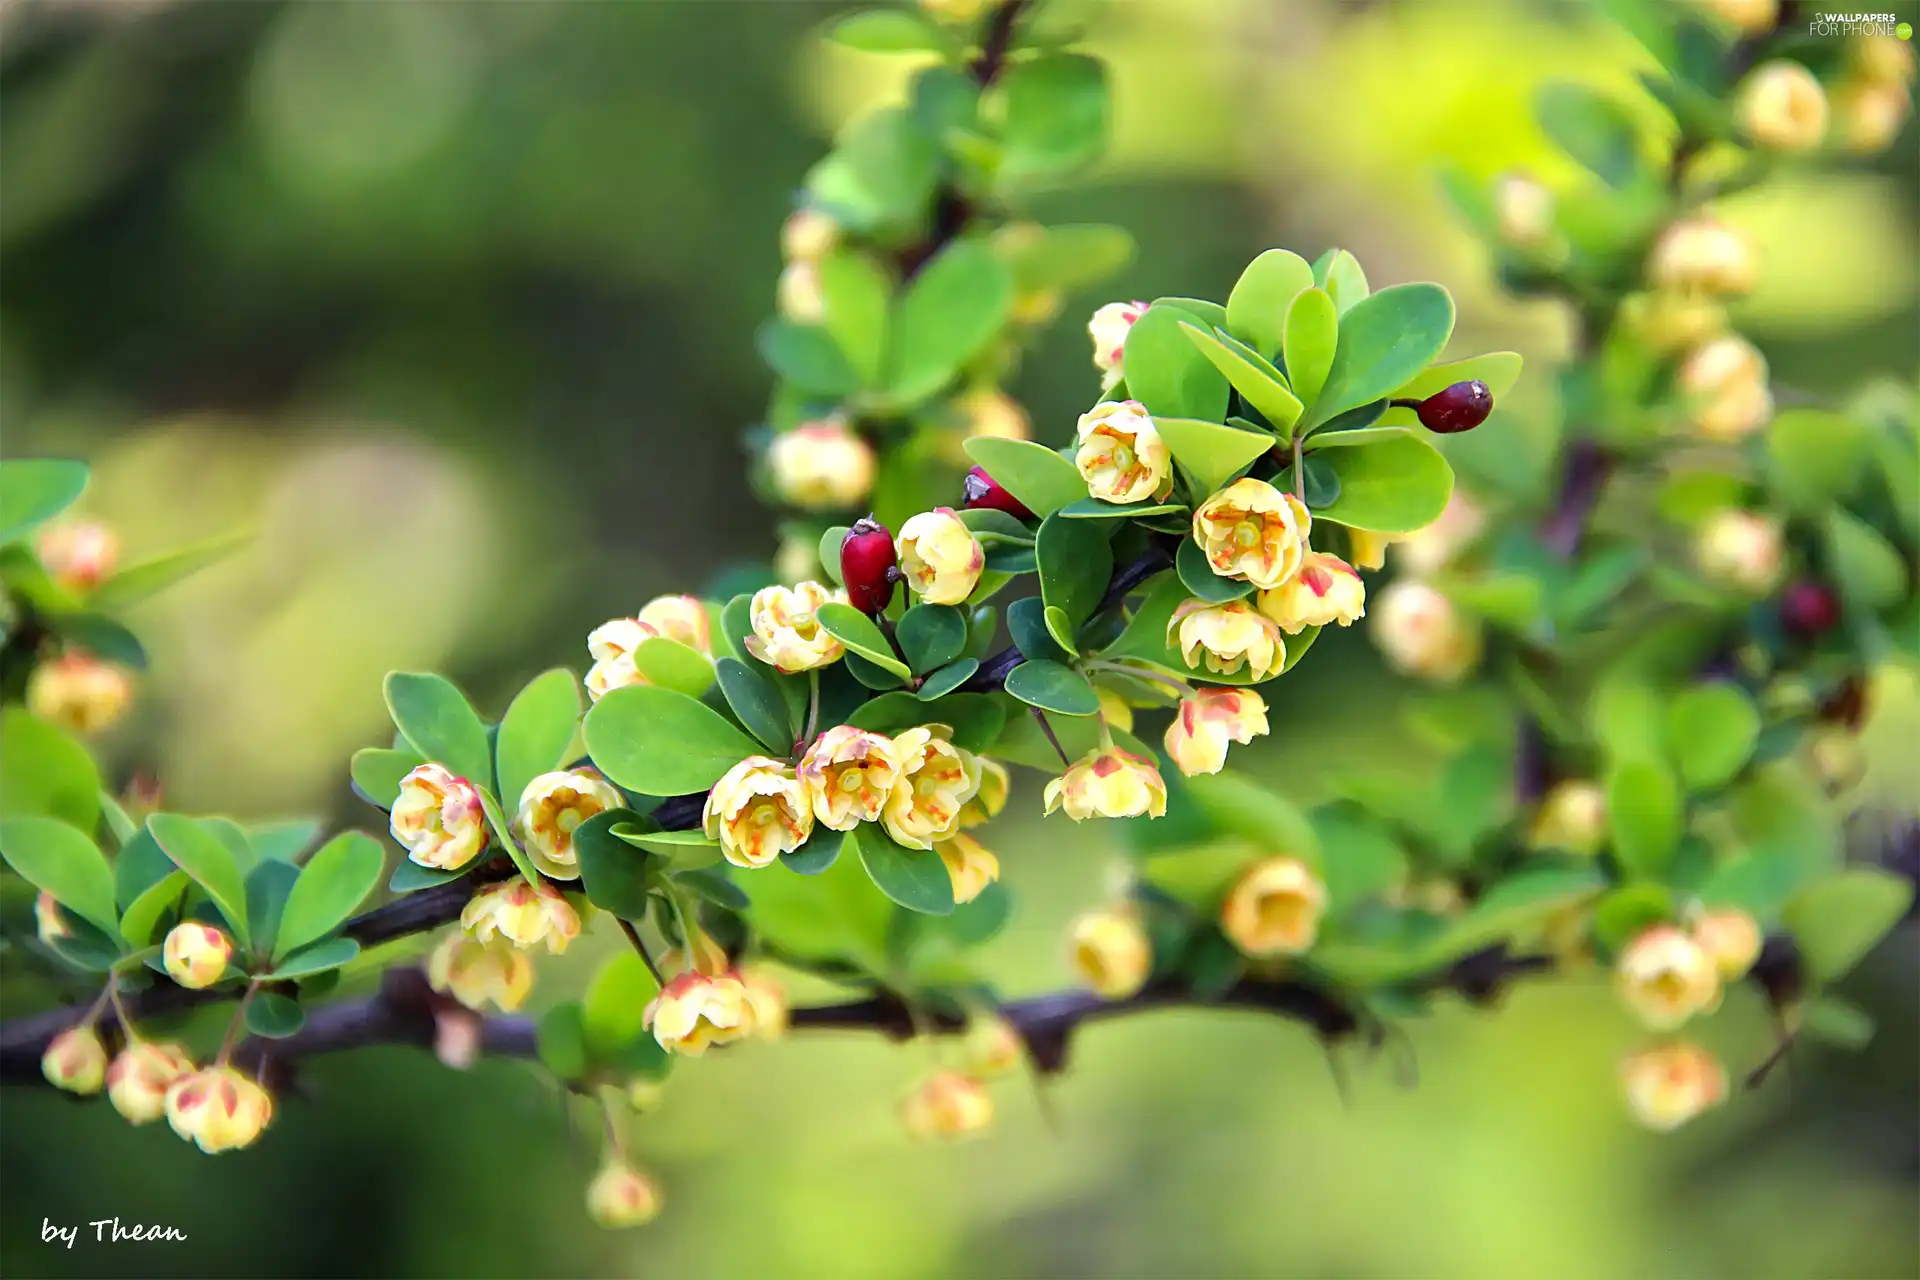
<point>969,865</point>
<point>768,997</point>
<point>1749,17</point>
<point>1702,255</point>
<point>1114,709</point>
<point>552,807</point>
<point>758,811</point>
<point>1742,550</point>
<point>1731,938</point>
<point>1433,547</point>
<point>195,954</point>
<point>822,466</point>
<point>1209,721</point>
<point>140,1075</point>
<point>1867,117</point>
<point>1121,455</point>
<point>682,618</point>
<point>1274,909</point>
<point>1111,954</point>
<point>78,554</point>
<point>622,1196</point>
<point>1369,549</point>
<point>49,918</point>
<point>524,914</point>
<point>709,957</point>
<point>1227,638</point>
<point>848,774</point>
<point>75,1060</point>
<point>1572,817</point>
<point>992,413</point>
<point>1421,633</point>
<point>78,692</point>
<point>1724,385</point>
<point>1670,1084</point>
<point>1524,209</point>
<point>1780,106</point>
<point>808,235</point>
<point>477,973</point>
<point>993,1046</point>
<point>1665,978</point>
<point>1109,328</point>
<point>695,1010</point>
<point>939,556</point>
<point>991,798</point>
<point>799,297</point>
<point>1252,530</point>
<point>219,1109</point>
<point>1109,783</point>
<point>936,780</point>
<point>1326,590</point>
<point>1883,59</point>
<point>947,1105</point>
<point>437,818</point>
<point>612,645</point>
<point>1666,322</point>
<point>786,629</point>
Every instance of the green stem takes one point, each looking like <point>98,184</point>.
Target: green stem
<point>640,948</point>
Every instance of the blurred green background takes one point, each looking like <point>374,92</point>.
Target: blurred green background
<point>452,303</point>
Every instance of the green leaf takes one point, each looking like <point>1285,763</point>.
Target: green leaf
<point>335,881</point>
<point>1384,340</point>
<point>1064,256</point>
<point>1868,567</point>
<point>1198,577</point>
<point>948,678</point>
<point>1500,370</point>
<point>834,914</point>
<point>1339,273</point>
<point>1238,806</point>
<point>1041,479</point>
<point>1814,457</point>
<point>888,31</point>
<point>1095,509</point>
<point>34,490</point>
<point>975,718</point>
<point>139,866</point>
<point>378,772</point>
<point>662,743</point>
<point>996,528</point>
<point>1075,564</point>
<point>889,164</point>
<point>1514,905</point>
<point>1840,1023</point>
<point>1839,918</point>
<point>1593,130</point>
<point>1645,808</point>
<point>1623,914</point>
<point>954,306</point>
<point>860,635</point>
<point>1167,373</point>
<point>1262,385</point>
<point>714,884</point>
<point>1211,452</point>
<point>45,771</point>
<point>1389,486</point>
<point>932,635</point>
<point>613,1011</point>
<point>103,637</point>
<point>1711,730</point>
<point>872,675</point>
<point>410,877</point>
<point>1779,812</point>
<point>756,703</point>
<point>283,841</point>
<point>1056,116</point>
<point>200,853</point>
<point>139,581</point>
<point>274,1016</point>
<point>318,958</point>
<point>1360,859</point>
<point>1026,622</point>
<point>685,850</point>
<point>1312,333</point>
<point>561,1040</point>
<point>856,293</point>
<point>917,879</point>
<point>1059,626</point>
<point>537,730</point>
<point>1758,884</point>
<point>143,916</point>
<point>613,872</point>
<point>736,624</point>
<point>58,859</point>
<point>269,885</point>
<point>806,356</point>
<point>1052,687</point>
<point>820,851</point>
<point>1257,308</point>
<point>438,722</point>
<point>670,664</point>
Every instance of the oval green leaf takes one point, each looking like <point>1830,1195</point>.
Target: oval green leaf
<point>1384,340</point>
<point>1257,308</point>
<point>662,743</point>
<point>860,635</point>
<point>1041,479</point>
<point>537,730</point>
<point>917,879</point>
<point>437,721</point>
<point>1389,486</point>
<point>58,859</point>
<point>1052,687</point>
<point>204,857</point>
<point>336,880</point>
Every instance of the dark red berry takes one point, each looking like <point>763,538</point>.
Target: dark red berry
<point>1461,407</point>
<point>982,490</point>
<point>867,565</point>
<point>1808,609</point>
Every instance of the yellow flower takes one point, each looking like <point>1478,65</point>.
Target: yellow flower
<point>1421,633</point>
<point>993,1046</point>
<point>758,811</point>
<point>218,1108</point>
<point>1109,783</point>
<point>75,1060</point>
<point>682,618</point>
<point>768,997</point>
<point>1724,386</point>
<point>437,818</point>
<point>1251,530</point>
<point>808,235</point>
<point>1326,590</point>
<point>848,774</point>
<point>939,556</point>
<point>477,973</point>
<point>1670,1084</point>
<point>196,954</point>
<point>622,1196</point>
<point>798,296</point>
<point>78,692</point>
<point>709,957</point>
<point>1665,977</point>
<point>947,1105</point>
<point>1111,954</point>
<point>822,466</point>
<point>936,780</point>
<point>1109,328</point>
<point>1274,909</point>
<point>1742,550</point>
<point>1572,817</point>
<point>1731,938</point>
<point>1369,549</point>
<point>786,631</point>
<point>1209,721</point>
<point>1780,106</point>
<point>1884,59</point>
<point>1867,117</point>
<point>1121,455</point>
<point>969,865</point>
<point>991,798</point>
<point>524,914</point>
<point>78,554</point>
<point>1228,637</point>
<point>1114,709</point>
<point>1432,548</point>
<point>987,412</point>
<point>49,918</point>
<point>1668,322</point>
<point>1525,211</point>
<point>612,645</point>
<point>552,807</point>
<point>140,1075</point>
<point>1701,254</point>
<point>695,1010</point>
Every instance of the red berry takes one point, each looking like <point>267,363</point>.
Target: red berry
<point>1461,407</point>
<point>982,490</point>
<point>867,565</point>
<point>1809,608</point>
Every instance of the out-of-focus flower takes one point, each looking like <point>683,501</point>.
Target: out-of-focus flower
<point>1208,722</point>
<point>936,780</point>
<point>1702,254</point>
<point>1121,455</point>
<point>75,1060</point>
<point>1879,58</point>
<point>786,628</point>
<point>1742,550</point>
<point>1867,117</point>
<point>1780,106</point>
<point>1572,817</point>
<point>1109,783</point>
<point>1670,1084</point>
<point>822,466</point>
<point>1834,755</point>
<point>552,807</point>
<point>140,1075</point>
<point>947,1105</point>
<point>1274,909</point>
<point>1326,590</point>
<point>993,1046</point>
<point>798,296</point>
<point>78,692</point>
<point>796,559</point>
<point>1109,328</point>
<point>1731,938</point>
<point>438,819</point>
<point>1251,530</point>
<point>848,774</point>
<point>1421,633</point>
<point>939,556</point>
<point>524,914</point>
<point>219,1109</point>
<point>50,918</point>
<point>1428,550</point>
<point>196,954</point>
<point>477,973</point>
<point>682,618</point>
<point>767,996</point>
<point>695,1010</point>
<point>993,413</point>
<point>1111,954</point>
<point>78,554</point>
<point>1666,321</point>
<point>808,235</point>
<point>621,1196</point>
<point>1724,385</point>
<point>1228,637</point>
<point>991,798</point>
<point>1525,211</point>
<point>969,865</point>
<point>1666,977</point>
<point>758,811</point>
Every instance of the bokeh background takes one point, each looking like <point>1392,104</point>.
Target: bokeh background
<point>452,305</point>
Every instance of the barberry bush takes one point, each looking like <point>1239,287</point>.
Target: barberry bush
<point>1646,676</point>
